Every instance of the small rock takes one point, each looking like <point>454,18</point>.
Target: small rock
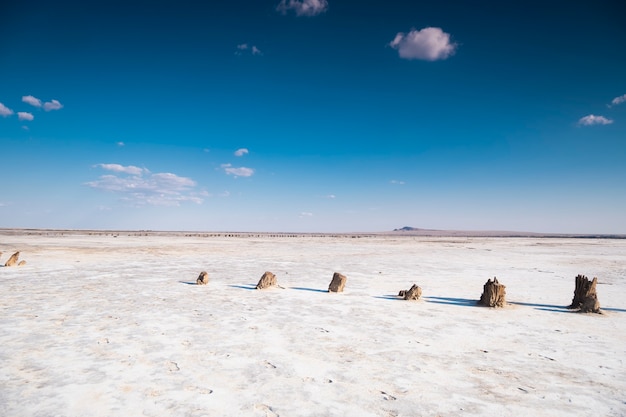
<point>413,293</point>
<point>267,280</point>
<point>338,283</point>
<point>203,278</point>
<point>13,259</point>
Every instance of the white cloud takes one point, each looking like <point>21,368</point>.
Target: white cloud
<point>618,100</point>
<point>592,119</point>
<point>52,105</point>
<point>120,144</point>
<point>241,152</point>
<point>172,181</point>
<point>139,187</point>
<point>429,44</point>
<point>331,196</point>
<point>5,111</point>
<point>306,214</point>
<point>237,171</point>
<point>130,169</point>
<point>22,115</point>
<point>33,101</point>
<point>245,47</point>
<point>303,7</point>
<point>397,182</point>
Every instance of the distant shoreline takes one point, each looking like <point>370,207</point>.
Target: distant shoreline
<point>395,233</point>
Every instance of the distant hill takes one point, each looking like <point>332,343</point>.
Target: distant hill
<point>415,231</point>
<point>409,229</point>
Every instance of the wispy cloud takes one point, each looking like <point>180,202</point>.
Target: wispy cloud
<point>592,119</point>
<point>52,105</point>
<point>330,196</point>
<point>5,111</point>
<point>618,100</point>
<point>244,47</point>
<point>140,187</point>
<point>397,182</point>
<point>429,44</point>
<point>303,7</point>
<point>306,214</point>
<point>241,152</point>
<point>33,101</point>
<point>237,171</point>
<point>130,169</point>
<point>120,144</point>
<point>22,115</point>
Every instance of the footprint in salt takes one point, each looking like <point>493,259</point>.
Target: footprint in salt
<point>269,412</point>
<point>173,366</point>
<point>204,391</point>
<point>388,397</point>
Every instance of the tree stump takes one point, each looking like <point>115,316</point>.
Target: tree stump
<point>585,296</point>
<point>203,278</point>
<point>13,259</point>
<point>267,280</point>
<point>338,283</point>
<point>493,294</point>
<point>413,293</point>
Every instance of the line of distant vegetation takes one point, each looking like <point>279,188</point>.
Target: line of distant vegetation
<point>404,231</point>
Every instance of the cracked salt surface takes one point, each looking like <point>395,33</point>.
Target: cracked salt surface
<point>99,326</point>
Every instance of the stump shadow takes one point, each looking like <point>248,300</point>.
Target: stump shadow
<point>244,287</point>
<point>466,302</point>
<point>544,307</point>
<point>554,310</point>
<point>188,282</point>
<point>617,310</point>
<point>388,297</point>
<point>308,289</point>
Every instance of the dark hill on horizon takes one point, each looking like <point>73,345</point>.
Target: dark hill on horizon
<point>415,231</point>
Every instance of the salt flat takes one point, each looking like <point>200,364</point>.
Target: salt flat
<point>97,325</point>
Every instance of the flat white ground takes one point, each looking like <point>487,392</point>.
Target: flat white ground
<point>112,326</point>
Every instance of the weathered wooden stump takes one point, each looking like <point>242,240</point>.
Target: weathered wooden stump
<point>13,259</point>
<point>493,294</point>
<point>413,293</point>
<point>338,283</point>
<point>585,296</point>
<point>203,278</point>
<point>267,280</point>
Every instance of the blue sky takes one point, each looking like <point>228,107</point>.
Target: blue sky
<point>313,115</point>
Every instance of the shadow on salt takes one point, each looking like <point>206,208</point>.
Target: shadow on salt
<point>308,289</point>
<point>617,310</point>
<point>389,297</point>
<point>453,301</point>
<point>244,287</point>
<point>543,307</point>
